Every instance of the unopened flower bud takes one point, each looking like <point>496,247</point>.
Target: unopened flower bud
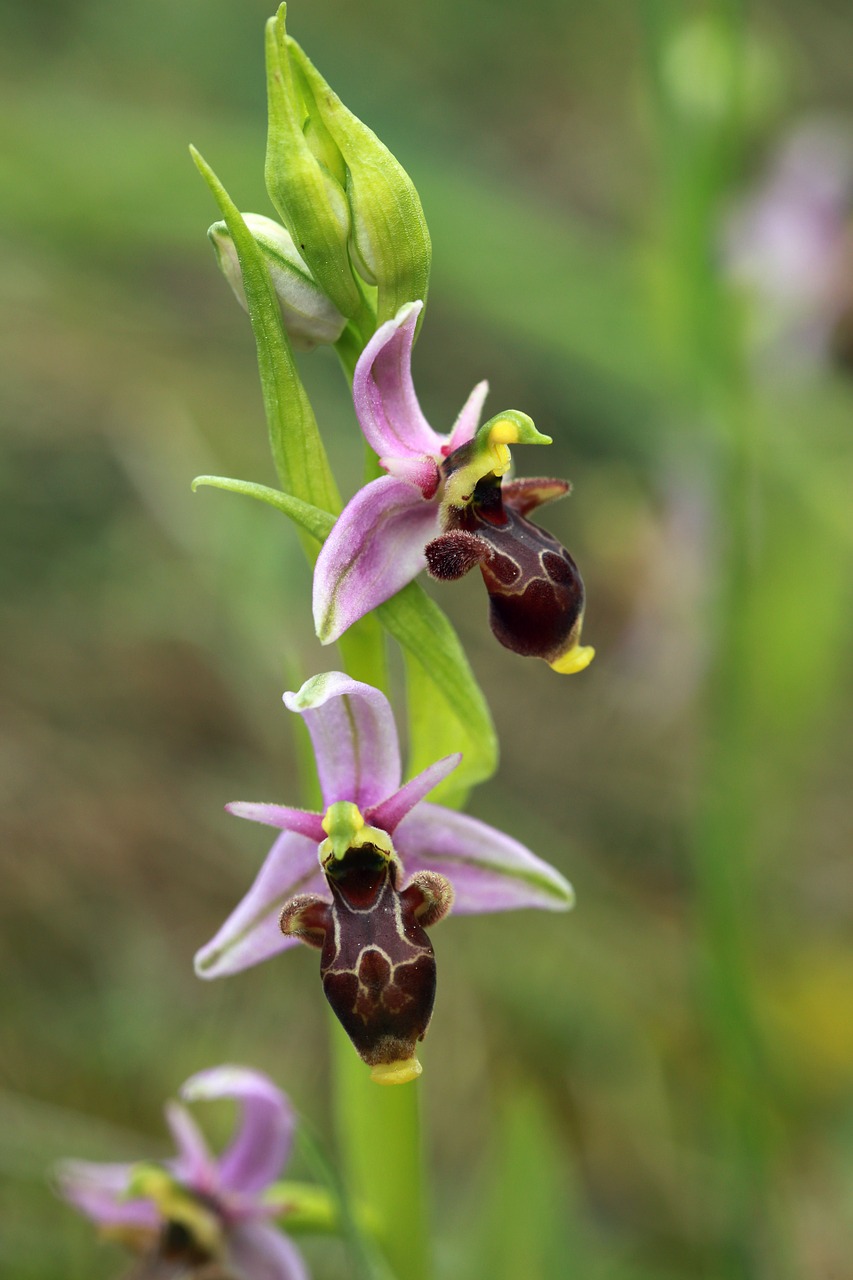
<point>306,190</point>
<point>389,241</point>
<point>708,73</point>
<point>309,317</point>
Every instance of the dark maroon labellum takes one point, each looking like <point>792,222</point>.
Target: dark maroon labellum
<point>536,593</point>
<point>377,963</point>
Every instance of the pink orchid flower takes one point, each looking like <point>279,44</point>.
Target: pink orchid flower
<point>365,878</point>
<point>198,1214</point>
<point>445,506</point>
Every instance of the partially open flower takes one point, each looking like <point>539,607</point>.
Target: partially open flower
<point>309,317</point>
<point>365,879</point>
<point>197,1215</point>
<point>444,505</point>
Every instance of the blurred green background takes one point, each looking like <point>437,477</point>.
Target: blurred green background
<point>660,1084</point>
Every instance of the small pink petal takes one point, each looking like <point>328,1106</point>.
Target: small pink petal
<point>465,426</point>
<point>251,933</point>
<point>260,1147</point>
<point>354,736</point>
<point>384,394</point>
<point>374,550</point>
<point>393,810</point>
<point>278,815</point>
<point>194,1166</point>
<point>98,1190</point>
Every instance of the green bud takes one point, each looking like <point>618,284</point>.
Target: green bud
<point>303,1207</point>
<point>389,242</point>
<point>711,71</point>
<point>309,317</point>
<point>303,178</point>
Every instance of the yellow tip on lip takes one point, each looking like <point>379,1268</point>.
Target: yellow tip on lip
<point>396,1072</point>
<point>575,660</point>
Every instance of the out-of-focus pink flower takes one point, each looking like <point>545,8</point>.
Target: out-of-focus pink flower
<point>788,244</point>
<point>199,1215</point>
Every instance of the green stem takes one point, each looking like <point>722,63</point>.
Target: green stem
<point>378,1126</point>
<point>723,851</point>
<point>362,650</point>
<point>380,1139</point>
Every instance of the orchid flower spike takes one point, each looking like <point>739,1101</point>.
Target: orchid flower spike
<point>445,505</point>
<point>363,880</point>
<point>199,1215</point>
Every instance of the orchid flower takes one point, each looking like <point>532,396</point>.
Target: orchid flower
<point>439,486</point>
<point>788,245</point>
<point>365,878</point>
<point>198,1215</point>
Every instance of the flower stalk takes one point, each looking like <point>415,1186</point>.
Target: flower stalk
<point>363,878</point>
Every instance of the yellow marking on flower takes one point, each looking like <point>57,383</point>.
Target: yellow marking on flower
<point>136,1239</point>
<point>346,829</point>
<point>396,1072</point>
<point>501,436</point>
<point>342,816</point>
<point>575,659</point>
<point>176,1203</point>
<point>504,432</point>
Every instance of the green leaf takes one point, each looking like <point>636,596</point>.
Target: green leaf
<point>526,1219</point>
<point>447,709</point>
<point>297,449</point>
<point>314,521</point>
<point>365,1257</point>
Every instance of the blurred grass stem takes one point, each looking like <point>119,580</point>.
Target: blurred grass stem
<point>703,343</point>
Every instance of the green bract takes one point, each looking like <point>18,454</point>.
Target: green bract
<point>297,449</point>
<point>309,317</point>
